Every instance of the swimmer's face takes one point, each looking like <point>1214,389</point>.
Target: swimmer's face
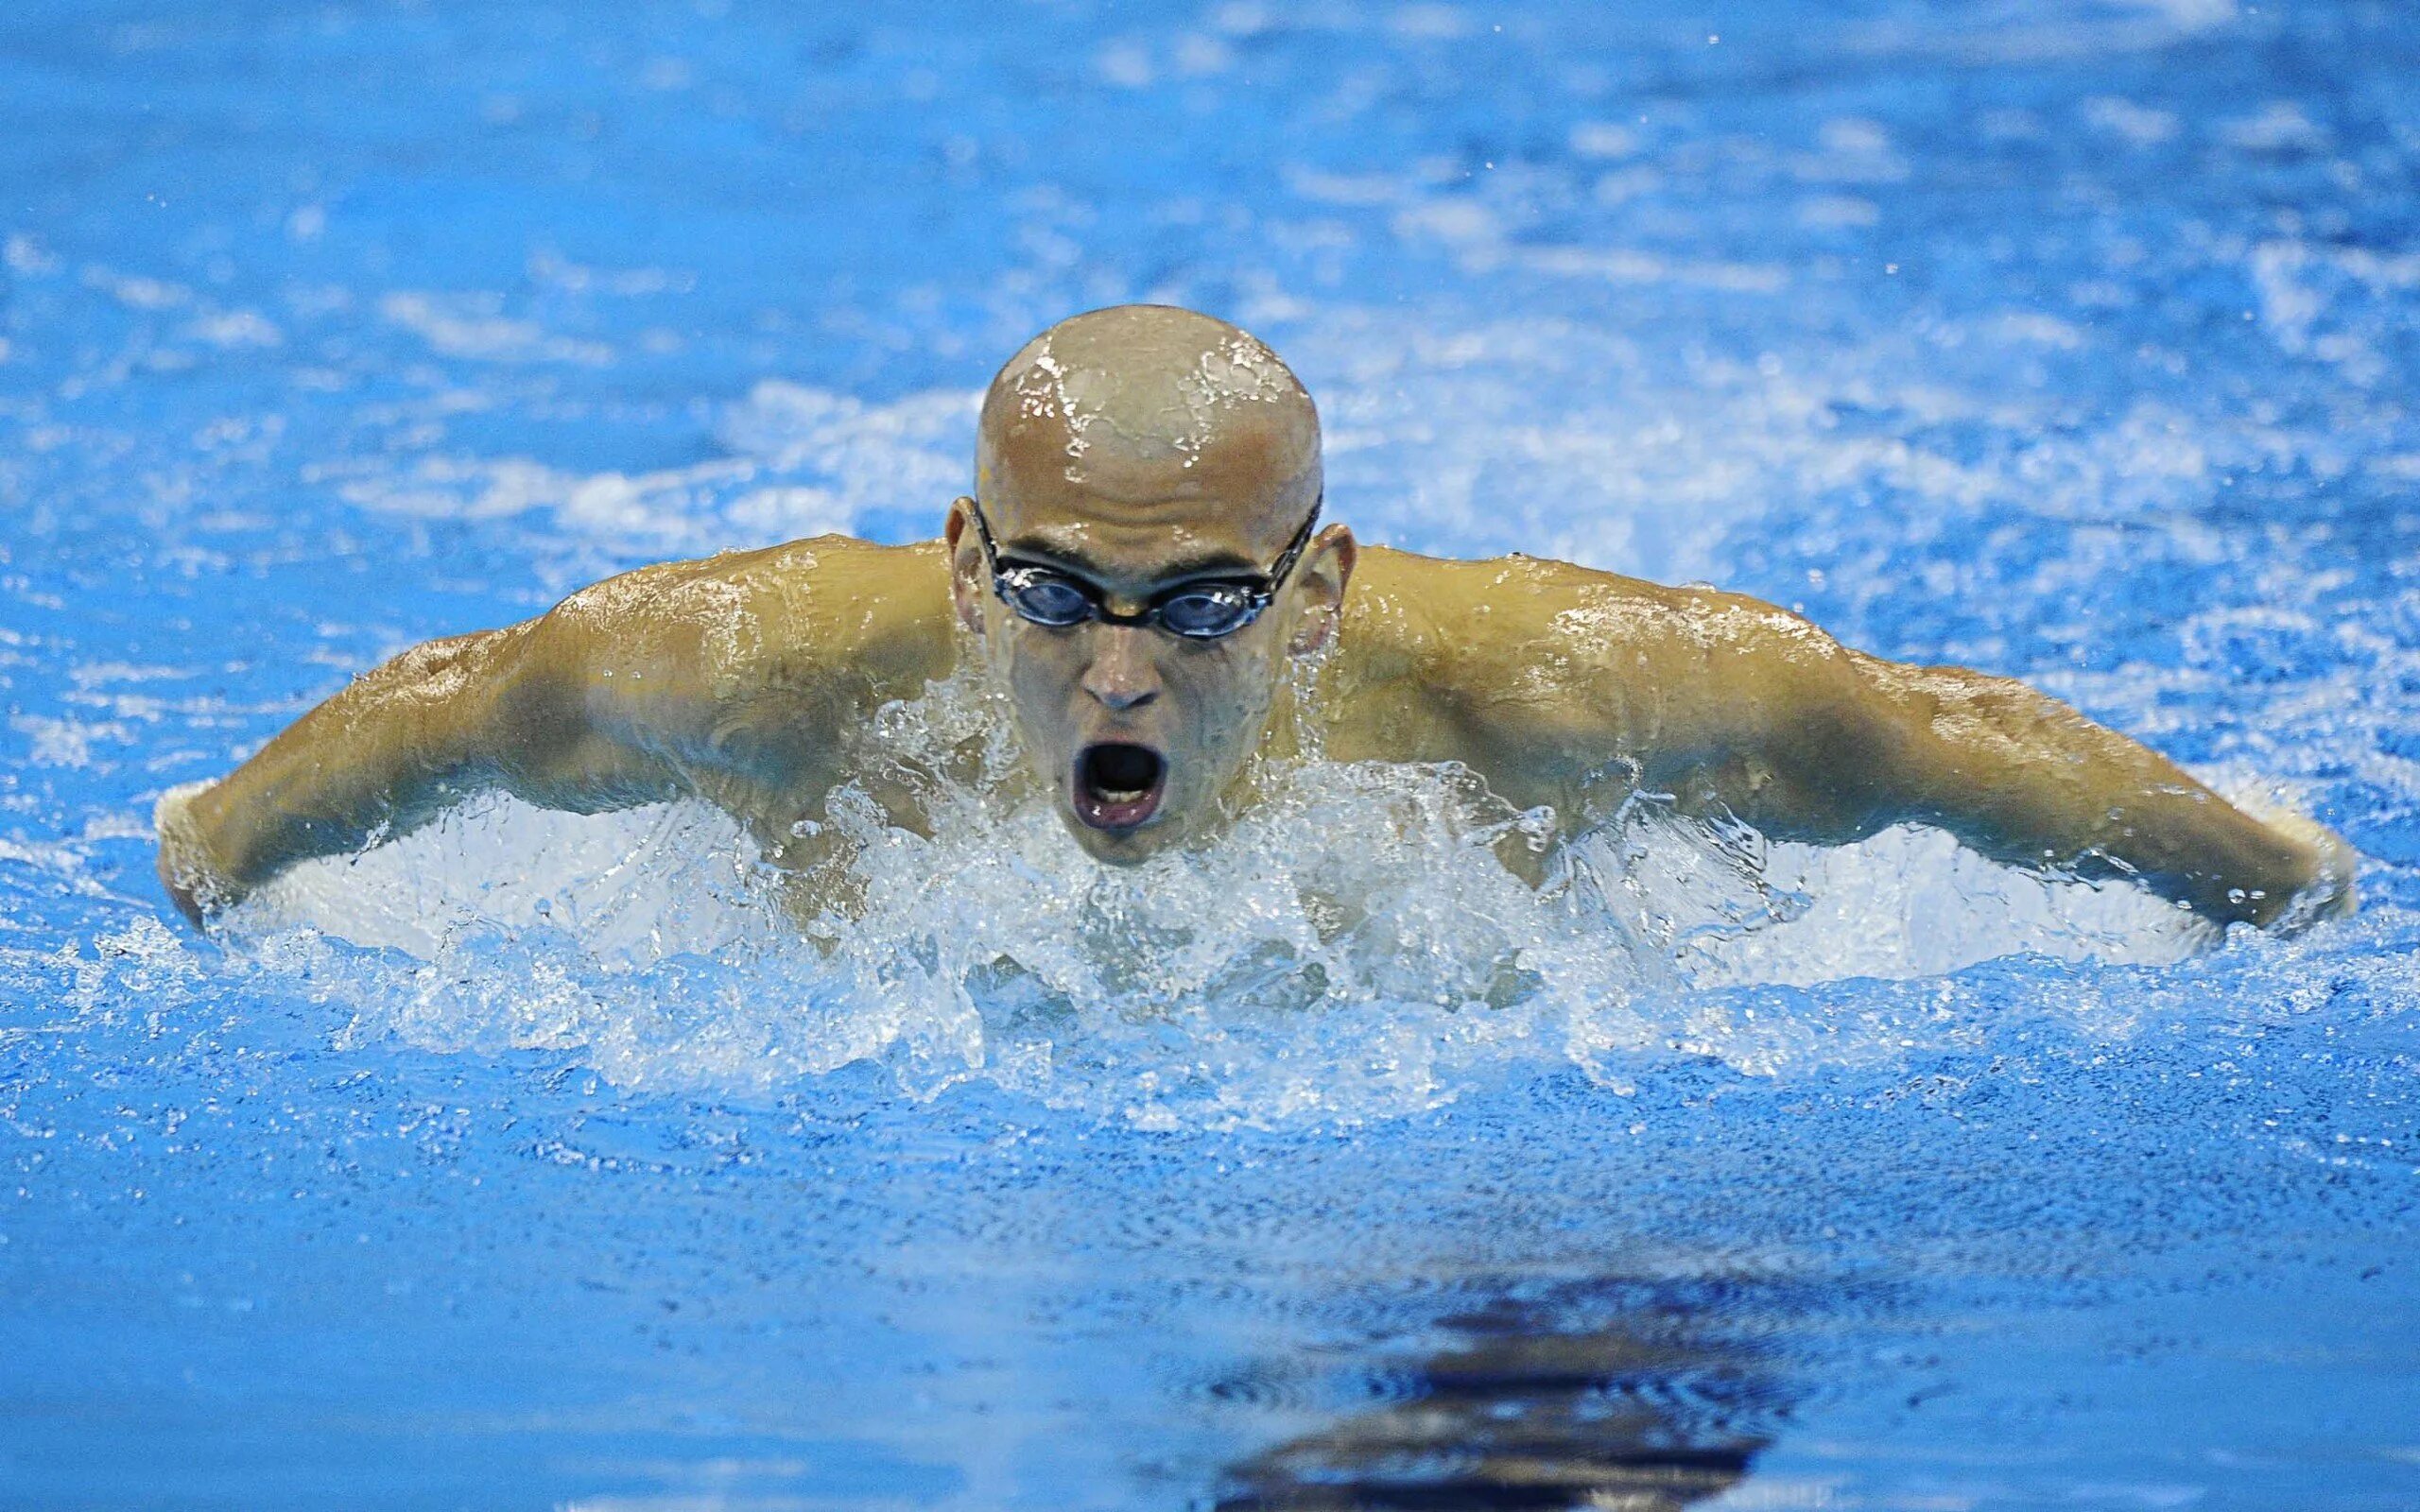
<point>1141,734</point>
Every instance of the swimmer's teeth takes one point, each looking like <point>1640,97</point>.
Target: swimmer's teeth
<point>1141,770</point>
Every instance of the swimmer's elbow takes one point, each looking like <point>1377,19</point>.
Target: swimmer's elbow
<point>556,732</point>
<point>1843,767</point>
<point>1937,742</point>
<point>1870,743</point>
<point>1834,754</point>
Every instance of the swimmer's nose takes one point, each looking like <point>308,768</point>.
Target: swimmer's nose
<point>1122,675</point>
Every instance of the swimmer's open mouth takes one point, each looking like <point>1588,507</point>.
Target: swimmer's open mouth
<point>1118,785</point>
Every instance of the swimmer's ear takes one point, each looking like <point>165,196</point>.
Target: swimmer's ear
<point>966,564</point>
<point>1320,580</point>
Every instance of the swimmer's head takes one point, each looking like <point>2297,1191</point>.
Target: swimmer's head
<point>1126,456</point>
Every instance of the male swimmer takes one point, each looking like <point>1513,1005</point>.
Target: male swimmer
<point>1141,565</point>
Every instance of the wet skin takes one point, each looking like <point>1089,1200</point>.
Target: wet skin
<point>1139,449</point>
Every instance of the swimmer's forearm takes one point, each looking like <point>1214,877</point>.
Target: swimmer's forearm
<point>388,753</point>
<point>382,754</point>
<point>2028,780</point>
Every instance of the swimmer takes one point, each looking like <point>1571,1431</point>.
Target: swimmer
<point>1142,566</point>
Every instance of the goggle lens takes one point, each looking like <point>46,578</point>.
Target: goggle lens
<point>1052,601</point>
<point>1206,613</point>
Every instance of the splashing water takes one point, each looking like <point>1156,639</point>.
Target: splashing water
<point>539,1161</point>
<point>1354,946</point>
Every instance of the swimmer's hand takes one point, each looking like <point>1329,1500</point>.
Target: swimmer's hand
<point>2329,893</point>
<point>192,884</point>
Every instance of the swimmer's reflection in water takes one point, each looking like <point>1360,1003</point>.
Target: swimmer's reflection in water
<point>1527,1408</point>
<point>1140,569</point>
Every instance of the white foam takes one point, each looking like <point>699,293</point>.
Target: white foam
<point>1354,948</point>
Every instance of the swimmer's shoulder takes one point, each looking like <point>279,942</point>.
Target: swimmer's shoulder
<point>804,612</point>
<point>1435,652</point>
<point>1532,662</point>
<point>1524,603</point>
<point>1447,607</point>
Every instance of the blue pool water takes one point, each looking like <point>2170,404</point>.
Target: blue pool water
<point>526,1164</point>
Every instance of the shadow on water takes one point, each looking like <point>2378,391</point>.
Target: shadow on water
<point>1611,1392</point>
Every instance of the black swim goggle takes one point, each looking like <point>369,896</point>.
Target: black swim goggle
<point>1203,610</point>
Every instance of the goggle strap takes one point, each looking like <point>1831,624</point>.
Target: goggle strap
<point>1285,564</point>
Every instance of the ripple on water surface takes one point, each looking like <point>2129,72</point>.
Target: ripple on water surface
<point>537,1161</point>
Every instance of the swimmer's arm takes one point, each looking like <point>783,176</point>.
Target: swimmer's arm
<point>1809,741</point>
<point>498,710</point>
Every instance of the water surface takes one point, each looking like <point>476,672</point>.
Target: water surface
<point>527,1165</point>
